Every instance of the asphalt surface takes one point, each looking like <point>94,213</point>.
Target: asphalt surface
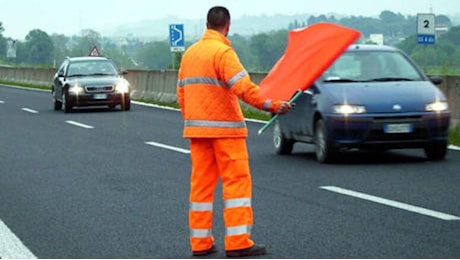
<point>102,183</point>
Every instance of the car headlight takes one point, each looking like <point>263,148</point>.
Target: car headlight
<point>122,86</point>
<point>75,90</point>
<point>348,109</point>
<point>437,106</point>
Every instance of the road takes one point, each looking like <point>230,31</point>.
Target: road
<point>99,183</point>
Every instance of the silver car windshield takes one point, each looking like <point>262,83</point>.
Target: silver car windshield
<point>366,66</point>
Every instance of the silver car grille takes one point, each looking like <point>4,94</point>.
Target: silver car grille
<point>98,89</point>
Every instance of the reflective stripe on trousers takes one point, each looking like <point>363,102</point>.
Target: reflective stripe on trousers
<point>226,158</point>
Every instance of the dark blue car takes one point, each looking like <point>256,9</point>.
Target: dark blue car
<point>372,97</point>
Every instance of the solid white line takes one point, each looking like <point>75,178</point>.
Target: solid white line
<point>392,203</point>
<point>1,101</point>
<point>10,245</point>
<point>78,124</point>
<point>177,149</point>
<point>29,110</point>
<point>453,147</point>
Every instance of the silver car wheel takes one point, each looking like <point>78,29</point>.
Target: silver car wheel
<point>282,144</point>
<point>324,151</point>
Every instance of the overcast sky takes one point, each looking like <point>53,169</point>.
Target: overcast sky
<point>18,17</point>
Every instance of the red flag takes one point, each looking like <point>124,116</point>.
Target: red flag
<point>309,52</point>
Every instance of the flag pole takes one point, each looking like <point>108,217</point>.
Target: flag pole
<point>273,119</point>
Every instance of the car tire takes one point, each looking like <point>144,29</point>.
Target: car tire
<point>324,151</point>
<point>66,102</point>
<point>282,144</point>
<point>56,103</point>
<point>436,151</point>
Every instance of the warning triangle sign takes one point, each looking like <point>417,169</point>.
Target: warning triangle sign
<point>94,52</point>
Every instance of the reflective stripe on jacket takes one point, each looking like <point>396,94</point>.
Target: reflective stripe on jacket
<point>211,79</point>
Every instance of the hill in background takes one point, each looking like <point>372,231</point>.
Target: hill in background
<point>193,28</point>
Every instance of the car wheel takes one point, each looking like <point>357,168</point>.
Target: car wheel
<point>126,104</point>
<point>282,145</point>
<point>65,102</point>
<point>436,151</point>
<point>57,104</point>
<point>324,151</point>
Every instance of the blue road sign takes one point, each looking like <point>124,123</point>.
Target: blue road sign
<point>176,37</point>
<point>426,39</point>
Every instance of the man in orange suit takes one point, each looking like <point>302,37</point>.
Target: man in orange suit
<point>211,82</point>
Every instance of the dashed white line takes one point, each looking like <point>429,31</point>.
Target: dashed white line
<point>392,203</point>
<point>1,101</point>
<point>173,148</point>
<point>10,245</point>
<point>79,124</point>
<point>29,110</point>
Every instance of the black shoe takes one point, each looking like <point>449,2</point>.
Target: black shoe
<point>252,251</point>
<point>211,250</point>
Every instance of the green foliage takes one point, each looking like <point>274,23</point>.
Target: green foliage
<point>155,55</point>
<point>454,135</point>
<point>27,85</point>
<point>38,48</point>
<point>258,52</point>
<point>247,56</point>
<point>2,43</point>
<point>85,42</point>
<point>444,55</point>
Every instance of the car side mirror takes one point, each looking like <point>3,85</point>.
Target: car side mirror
<point>61,74</point>
<point>436,80</point>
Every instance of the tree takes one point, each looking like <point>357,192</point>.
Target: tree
<point>269,48</point>
<point>2,43</point>
<point>61,48</point>
<point>39,48</point>
<point>390,17</point>
<point>442,19</point>
<point>85,42</point>
<point>155,55</point>
<point>246,54</point>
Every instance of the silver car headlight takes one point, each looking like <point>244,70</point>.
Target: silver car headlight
<point>122,86</point>
<point>437,106</point>
<point>76,89</point>
<point>348,109</point>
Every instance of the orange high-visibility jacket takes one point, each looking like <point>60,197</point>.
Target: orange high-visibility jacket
<point>211,79</point>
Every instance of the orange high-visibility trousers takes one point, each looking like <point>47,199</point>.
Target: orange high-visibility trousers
<point>225,158</point>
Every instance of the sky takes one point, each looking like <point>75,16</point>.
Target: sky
<point>18,17</point>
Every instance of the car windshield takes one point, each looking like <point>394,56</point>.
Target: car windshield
<point>364,66</point>
<point>89,67</point>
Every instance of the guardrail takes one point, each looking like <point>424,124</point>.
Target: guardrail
<point>160,85</point>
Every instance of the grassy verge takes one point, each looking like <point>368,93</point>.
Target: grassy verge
<point>454,134</point>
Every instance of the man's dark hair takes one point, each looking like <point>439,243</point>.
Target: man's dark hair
<point>218,16</point>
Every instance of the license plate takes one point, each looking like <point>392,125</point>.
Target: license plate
<point>100,96</point>
<point>398,128</point>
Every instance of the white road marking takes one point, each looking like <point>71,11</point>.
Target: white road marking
<point>1,101</point>
<point>29,110</point>
<point>10,245</point>
<point>173,148</point>
<point>78,124</point>
<point>392,203</point>
<point>453,147</point>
